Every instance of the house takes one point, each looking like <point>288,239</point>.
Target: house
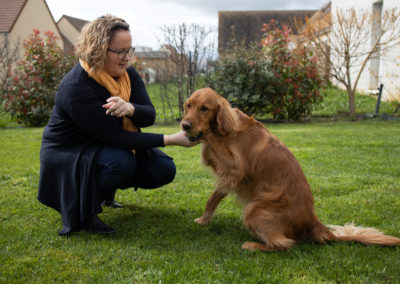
<point>383,67</point>
<point>18,18</point>
<point>321,20</point>
<point>70,29</point>
<point>156,65</point>
<point>245,26</point>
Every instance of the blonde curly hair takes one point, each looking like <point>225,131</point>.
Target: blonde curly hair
<point>95,39</point>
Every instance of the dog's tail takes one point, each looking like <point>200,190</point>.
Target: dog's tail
<point>349,232</point>
<point>369,236</point>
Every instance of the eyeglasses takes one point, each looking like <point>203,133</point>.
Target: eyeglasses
<point>122,53</point>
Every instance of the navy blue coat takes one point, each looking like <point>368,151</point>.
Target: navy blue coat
<point>77,129</point>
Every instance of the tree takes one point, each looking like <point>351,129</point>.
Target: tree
<point>9,54</point>
<point>188,45</point>
<point>346,40</point>
<point>165,70</point>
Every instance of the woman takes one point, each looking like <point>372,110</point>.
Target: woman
<point>93,144</point>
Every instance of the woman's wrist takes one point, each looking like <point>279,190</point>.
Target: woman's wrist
<point>167,140</point>
<point>172,139</point>
<point>132,110</point>
<point>179,139</point>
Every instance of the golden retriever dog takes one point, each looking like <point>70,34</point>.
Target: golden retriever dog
<point>251,162</point>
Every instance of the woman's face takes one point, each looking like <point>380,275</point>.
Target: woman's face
<point>113,65</point>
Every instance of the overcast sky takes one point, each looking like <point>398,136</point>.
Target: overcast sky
<point>147,17</point>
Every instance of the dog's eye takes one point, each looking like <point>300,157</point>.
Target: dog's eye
<point>188,106</point>
<point>203,108</point>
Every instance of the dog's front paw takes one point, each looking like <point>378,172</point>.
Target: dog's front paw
<point>202,221</point>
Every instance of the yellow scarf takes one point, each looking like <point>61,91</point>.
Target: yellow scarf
<point>120,87</point>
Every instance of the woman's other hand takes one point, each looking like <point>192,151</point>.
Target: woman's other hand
<point>116,106</point>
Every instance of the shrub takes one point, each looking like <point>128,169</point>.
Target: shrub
<point>277,79</point>
<point>33,81</point>
<point>243,77</point>
<point>297,81</point>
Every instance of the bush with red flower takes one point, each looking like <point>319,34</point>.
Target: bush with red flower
<point>33,81</point>
<point>296,84</point>
<point>279,79</point>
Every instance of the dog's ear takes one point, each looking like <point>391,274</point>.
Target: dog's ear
<point>226,119</point>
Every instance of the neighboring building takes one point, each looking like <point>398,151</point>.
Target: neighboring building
<point>70,29</point>
<point>382,67</point>
<point>18,18</point>
<point>156,65</point>
<point>321,19</point>
<point>245,26</point>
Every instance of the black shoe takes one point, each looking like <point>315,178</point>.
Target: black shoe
<point>97,226</point>
<point>63,232</point>
<point>112,204</point>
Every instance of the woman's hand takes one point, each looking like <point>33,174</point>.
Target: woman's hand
<point>118,107</point>
<point>179,139</point>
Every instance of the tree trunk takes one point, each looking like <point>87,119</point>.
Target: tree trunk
<point>352,105</point>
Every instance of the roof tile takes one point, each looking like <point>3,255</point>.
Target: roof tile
<point>9,12</point>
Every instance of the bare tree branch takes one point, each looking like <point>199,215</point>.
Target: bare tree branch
<point>348,39</point>
<point>9,54</point>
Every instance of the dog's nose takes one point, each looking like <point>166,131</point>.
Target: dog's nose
<point>186,125</point>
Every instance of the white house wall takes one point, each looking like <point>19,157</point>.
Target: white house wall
<point>35,15</point>
<point>388,65</point>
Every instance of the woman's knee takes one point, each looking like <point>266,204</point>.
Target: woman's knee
<point>115,168</point>
<point>169,170</point>
<point>159,172</point>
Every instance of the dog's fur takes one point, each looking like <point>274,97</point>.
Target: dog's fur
<point>251,162</point>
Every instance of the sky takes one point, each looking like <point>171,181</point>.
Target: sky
<point>147,17</point>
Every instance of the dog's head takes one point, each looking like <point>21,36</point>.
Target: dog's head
<point>207,112</point>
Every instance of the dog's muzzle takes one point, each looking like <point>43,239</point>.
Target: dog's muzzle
<point>187,127</point>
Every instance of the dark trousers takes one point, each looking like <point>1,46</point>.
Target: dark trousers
<point>121,169</point>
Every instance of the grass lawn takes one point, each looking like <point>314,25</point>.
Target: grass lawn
<point>353,169</point>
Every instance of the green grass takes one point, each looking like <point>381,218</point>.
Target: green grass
<point>6,120</point>
<point>353,170</point>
